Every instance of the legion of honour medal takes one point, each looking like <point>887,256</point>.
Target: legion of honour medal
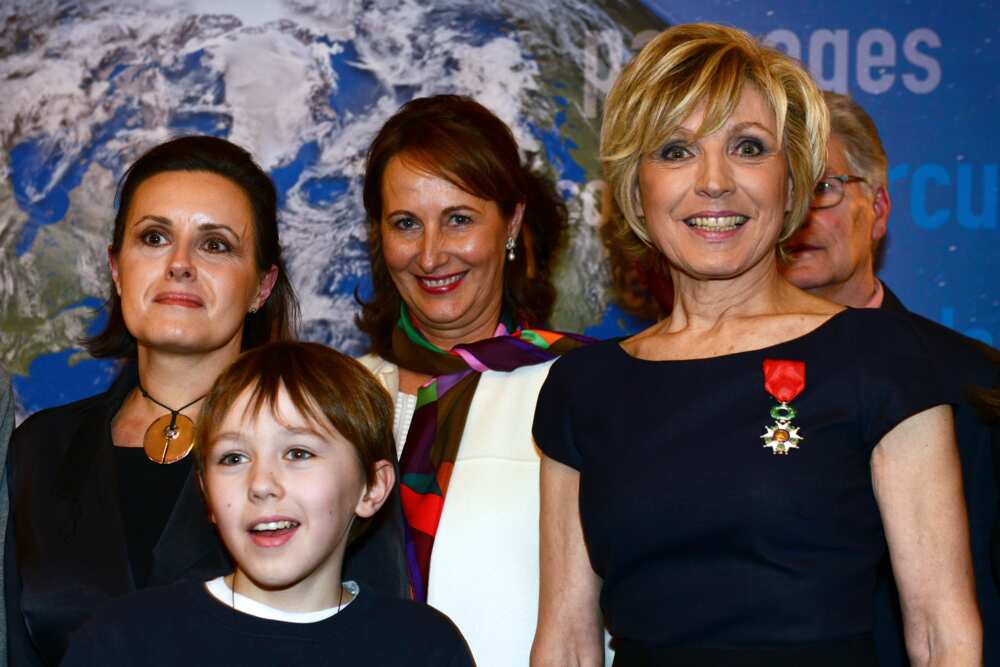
<point>784,379</point>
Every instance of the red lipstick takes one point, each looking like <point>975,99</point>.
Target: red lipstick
<point>440,284</point>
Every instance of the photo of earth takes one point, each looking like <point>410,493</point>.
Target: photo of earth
<point>304,85</point>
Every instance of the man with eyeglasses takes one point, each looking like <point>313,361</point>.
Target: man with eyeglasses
<point>834,255</point>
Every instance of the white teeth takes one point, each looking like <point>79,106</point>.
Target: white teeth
<point>273,525</point>
<point>722,223</point>
<point>443,281</point>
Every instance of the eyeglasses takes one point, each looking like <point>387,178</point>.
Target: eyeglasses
<point>830,190</point>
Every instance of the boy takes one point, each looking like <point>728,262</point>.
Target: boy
<point>294,451</point>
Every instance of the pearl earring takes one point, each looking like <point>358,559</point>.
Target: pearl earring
<point>510,248</point>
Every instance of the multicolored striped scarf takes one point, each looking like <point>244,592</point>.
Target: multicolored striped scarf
<point>438,423</point>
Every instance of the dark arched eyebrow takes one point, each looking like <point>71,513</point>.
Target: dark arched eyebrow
<point>155,218</point>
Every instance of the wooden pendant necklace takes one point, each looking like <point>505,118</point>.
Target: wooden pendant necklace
<point>171,437</point>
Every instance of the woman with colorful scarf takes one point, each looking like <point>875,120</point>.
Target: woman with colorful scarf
<point>463,240</point>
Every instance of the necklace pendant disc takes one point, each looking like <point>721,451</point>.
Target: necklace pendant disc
<point>165,444</point>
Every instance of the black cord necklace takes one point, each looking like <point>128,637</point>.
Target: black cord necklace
<point>171,437</point>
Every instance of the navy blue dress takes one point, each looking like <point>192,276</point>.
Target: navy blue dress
<point>712,549</point>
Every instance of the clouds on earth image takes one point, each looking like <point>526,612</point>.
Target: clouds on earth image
<point>304,85</point>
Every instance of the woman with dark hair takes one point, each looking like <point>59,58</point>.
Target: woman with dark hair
<point>103,496</point>
<point>463,241</point>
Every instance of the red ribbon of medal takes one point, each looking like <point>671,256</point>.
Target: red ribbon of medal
<point>784,379</point>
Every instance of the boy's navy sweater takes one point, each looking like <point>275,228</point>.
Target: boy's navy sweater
<point>182,624</point>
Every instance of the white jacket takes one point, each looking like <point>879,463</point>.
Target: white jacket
<point>484,567</point>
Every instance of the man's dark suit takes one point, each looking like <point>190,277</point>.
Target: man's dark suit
<point>962,358</point>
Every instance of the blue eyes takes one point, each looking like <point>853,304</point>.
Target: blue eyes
<point>407,223</point>
<point>404,224</point>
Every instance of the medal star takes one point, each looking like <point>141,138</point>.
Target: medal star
<point>781,437</point>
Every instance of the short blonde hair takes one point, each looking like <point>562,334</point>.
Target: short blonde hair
<point>704,63</point>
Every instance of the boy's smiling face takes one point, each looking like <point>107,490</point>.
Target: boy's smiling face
<point>283,491</point>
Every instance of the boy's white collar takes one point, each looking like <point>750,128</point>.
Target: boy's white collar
<point>221,591</point>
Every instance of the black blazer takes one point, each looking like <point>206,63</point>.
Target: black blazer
<point>66,551</point>
<point>961,360</point>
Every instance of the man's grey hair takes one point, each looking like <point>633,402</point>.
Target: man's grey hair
<point>862,146</point>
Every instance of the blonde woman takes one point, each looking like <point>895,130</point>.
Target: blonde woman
<point>722,485</point>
